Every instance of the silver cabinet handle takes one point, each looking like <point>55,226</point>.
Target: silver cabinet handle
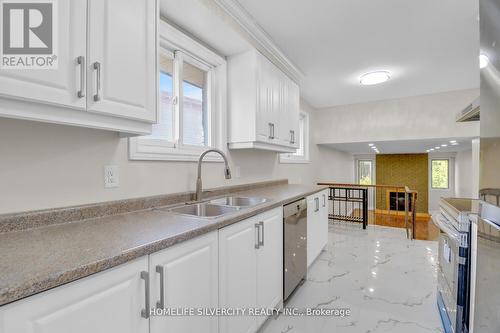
<point>81,61</point>
<point>271,131</point>
<point>324,200</point>
<point>145,311</point>
<point>316,201</point>
<point>97,67</point>
<point>261,241</point>
<point>292,137</point>
<point>257,240</point>
<point>161,303</point>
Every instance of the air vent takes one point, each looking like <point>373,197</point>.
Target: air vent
<point>470,113</point>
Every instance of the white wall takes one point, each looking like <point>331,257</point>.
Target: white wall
<point>464,179</point>
<point>46,166</point>
<point>412,118</point>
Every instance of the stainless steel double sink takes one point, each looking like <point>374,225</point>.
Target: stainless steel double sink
<point>218,207</point>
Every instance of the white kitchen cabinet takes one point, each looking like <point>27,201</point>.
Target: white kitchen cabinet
<point>270,262</point>
<point>324,204</point>
<point>122,58</point>
<point>187,275</point>
<point>56,86</point>
<point>238,274</point>
<point>294,114</point>
<point>250,268</point>
<point>110,301</point>
<point>317,224</point>
<point>106,76</point>
<point>263,108</point>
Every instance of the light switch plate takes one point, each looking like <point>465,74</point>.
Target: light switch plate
<point>111,176</point>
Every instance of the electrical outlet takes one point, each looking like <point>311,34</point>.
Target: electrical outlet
<point>111,176</point>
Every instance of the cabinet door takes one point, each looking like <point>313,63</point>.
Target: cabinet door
<point>122,78</point>
<point>55,86</point>
<point>238,274</point>
<point>264,99</point>
<point>270,262</point>
<point>277,103</point>
<point>323,219</point>
<point>313,228</point>
<point>190,280</point>
<point>106,302</point>
<point>293,112</point>
<point>283,114</point>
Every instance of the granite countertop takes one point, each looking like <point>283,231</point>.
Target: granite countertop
<point>37,259</point>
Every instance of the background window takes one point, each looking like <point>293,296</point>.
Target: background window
<point>301,151</point>
<point>440,174</point>
<point>365,172</point>
<point>194,110</point>
<point>301,154</point>
<point>165,128</point>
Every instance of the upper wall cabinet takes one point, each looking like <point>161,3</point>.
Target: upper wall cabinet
<point>263,105</point>
<point>106,73</point>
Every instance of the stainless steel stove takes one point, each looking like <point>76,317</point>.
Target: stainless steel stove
<point>454,262</point>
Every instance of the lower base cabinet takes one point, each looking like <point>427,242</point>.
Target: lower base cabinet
<point>186,275</point>
<point>317,224</point>
<point>237,267</point>
<point>251,269</point>
<point>107,302</point>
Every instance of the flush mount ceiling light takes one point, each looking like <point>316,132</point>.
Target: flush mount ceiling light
<point>483,61</point>
<point>376,77</point>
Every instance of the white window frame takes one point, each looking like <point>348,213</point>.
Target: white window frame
<point>437,158</point>
<point>357,170</point>
<point>181,47</point>
<point>291,158</point>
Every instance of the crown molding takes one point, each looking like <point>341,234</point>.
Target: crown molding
<point>258,37</point>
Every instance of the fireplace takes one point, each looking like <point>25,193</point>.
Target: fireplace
<point>397,201</point>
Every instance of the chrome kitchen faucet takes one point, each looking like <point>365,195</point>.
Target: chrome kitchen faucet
<point>227,171</point>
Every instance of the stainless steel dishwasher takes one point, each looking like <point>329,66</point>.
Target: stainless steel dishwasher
<point>295,245</point>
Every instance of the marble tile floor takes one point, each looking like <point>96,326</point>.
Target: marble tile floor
<point>387,282</point>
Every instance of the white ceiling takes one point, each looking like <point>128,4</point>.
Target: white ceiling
<point>430,46</point>
<point>404,147</point>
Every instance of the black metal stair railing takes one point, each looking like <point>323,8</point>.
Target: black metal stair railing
<point>349,204</point>
<point>389,205</point>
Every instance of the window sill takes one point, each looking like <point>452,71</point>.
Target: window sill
<point>139,152</point>
<point>285,160</point>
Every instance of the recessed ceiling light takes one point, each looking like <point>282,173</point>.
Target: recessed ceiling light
<point>432,149</point>
<point>444,145</point>
<point>453,141</point>
<point>370,144</point>
<point>376,77</point>
<point>454,144</point>
<point>483,61</point>
<point>428,150</point>
<point>437,147</point>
